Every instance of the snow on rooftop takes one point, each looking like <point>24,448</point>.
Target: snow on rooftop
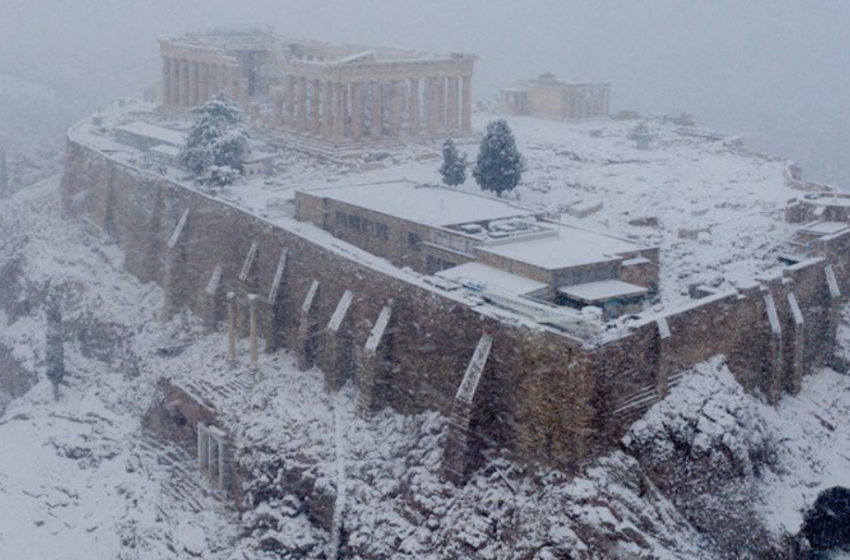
<point>571,247</point>
<point>164,135</point>
<point>686,181</point>
<point>423,204</point>
<point>825,228</point>
<point>602,290</point>
<point>490,278</point>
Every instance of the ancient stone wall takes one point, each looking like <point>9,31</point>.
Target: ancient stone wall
<point>432,336</point>
<point>543,396</point>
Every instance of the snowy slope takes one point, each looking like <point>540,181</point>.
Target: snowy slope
<point>75,481</point>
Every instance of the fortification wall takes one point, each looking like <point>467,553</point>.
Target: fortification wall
<point>536,382</point>
<point>543,395</point>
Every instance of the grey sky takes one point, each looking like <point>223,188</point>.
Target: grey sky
<point>776,70</point>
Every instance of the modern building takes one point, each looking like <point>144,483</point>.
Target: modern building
<point>549,98</point>
<point>486,243</point>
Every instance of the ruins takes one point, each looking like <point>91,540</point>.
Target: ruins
<point>549,98</point>
<point>530,333</point>
<point>325,95</point>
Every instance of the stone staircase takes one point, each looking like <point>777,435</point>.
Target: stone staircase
<point>638,403</point>
<point>183,487</point>
<point>208,392</point>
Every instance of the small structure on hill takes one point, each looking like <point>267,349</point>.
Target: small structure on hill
<point>552,99</point>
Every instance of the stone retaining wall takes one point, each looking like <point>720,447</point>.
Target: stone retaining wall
<point>543,396</point>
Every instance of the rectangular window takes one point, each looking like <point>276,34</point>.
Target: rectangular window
<point>413,239</point>
<point>381,231</point>
<point>354,222</point>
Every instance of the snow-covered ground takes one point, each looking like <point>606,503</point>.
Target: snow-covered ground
<point>75,479</point>
<point>729,199</point>
<point>78,478</point>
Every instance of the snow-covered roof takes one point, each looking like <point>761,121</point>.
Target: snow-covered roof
<point>571,247</point>
<point>428,205</point>
<point>166,150</point>
<point>164,135</point>
<point>824,228</point>
<point>490,278</point>
<point>603,290</point>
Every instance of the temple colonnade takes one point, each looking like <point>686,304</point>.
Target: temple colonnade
<point>374,108</point>
<point>189,82</point>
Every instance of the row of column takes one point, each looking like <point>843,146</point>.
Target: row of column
<point>188,83</point>
<point>339,111</point>
<point>586,104</point>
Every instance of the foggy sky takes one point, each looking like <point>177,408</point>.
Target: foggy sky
<point>774,70</point>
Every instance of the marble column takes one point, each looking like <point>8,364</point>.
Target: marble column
<point>216,79</point>
<point>395,110</point>
<point>203,83</point>
<point>377,118</point>
<point>302,105</point>
<point>243,93</point>
<point>314,108</point>
<point>174,82</point>
<point>289,100</point>
<point>233,81</point>
<point>193,83</point>
<point>357,111</point>
<point>340,110</point>
<point>466,106</point>
<point>277,107</point>
<point>431,107</point>
<point>327,110</point>
<point>453,94</point>
<point>184,83</point>
<point>166,76</point>
<point>414,108</point>
<point>441,102</point>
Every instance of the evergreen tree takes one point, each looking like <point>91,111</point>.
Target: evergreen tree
<point>4,174</point>
<point>217,140</point>
<point>55,355</point>
<point>499,165</point>
<point>453,169</point>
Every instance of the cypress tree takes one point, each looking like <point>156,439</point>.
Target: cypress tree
<point>499,165</point>
<point>453,169</point>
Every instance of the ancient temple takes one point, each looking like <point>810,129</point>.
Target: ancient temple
<point>550,98</point>
<point>326,94</point>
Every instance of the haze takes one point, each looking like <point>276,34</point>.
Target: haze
<point>774,71</point>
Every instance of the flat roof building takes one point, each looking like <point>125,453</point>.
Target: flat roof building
<point>484,243</point>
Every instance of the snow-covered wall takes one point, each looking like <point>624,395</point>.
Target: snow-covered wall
<point>543,395</point>
<point>536,383</point>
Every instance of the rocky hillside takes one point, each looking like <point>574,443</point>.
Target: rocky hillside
<point>711,472</point>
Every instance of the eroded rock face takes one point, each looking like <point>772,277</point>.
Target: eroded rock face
<point>706,447</point>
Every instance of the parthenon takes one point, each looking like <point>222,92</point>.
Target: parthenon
<point>331,95</point>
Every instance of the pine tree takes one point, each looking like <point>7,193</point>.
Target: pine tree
<point>453,169</point>
<point>55,355</point>
<point>499,165</point>
<point>217,139</point>
<point>4,174</point>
